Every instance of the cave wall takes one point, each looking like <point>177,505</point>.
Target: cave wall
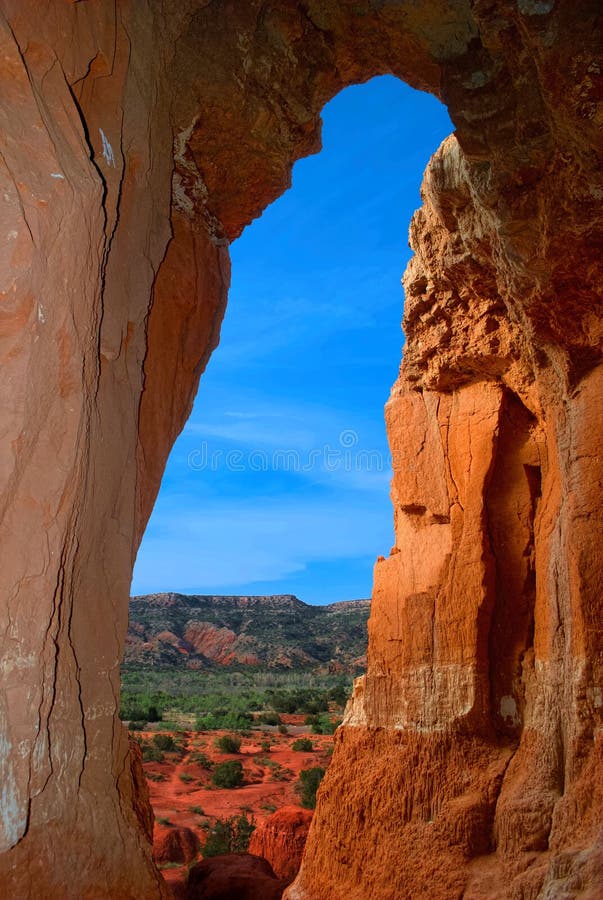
<point>137,140</point>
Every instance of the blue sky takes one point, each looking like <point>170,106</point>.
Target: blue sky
<point>279,482</point>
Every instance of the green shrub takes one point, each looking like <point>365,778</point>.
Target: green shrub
<point>197,810</point>
<point>203,760</point>
<point>270,719</point>
<point>282,729</point>
<point>228,743</point>
<point>303,744</point>
<point>229,836</point>
<point>136,726</point>
<point>164,742</point>
<point>339,694</point>
<point>266,745</point>
<point>322,724</point>
<point>309,780</point>
<point>151,753</point>
<point>228,774</point>
<point>153,715</point>
<point>186,778</point>
<point>269,807</point>
<point>281,774</point>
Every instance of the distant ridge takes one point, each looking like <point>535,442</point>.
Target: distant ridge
<point>263,631</point>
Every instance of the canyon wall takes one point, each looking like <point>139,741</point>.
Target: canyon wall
<point>137,140</point>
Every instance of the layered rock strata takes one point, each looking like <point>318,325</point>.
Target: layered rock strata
<point>136,141</point>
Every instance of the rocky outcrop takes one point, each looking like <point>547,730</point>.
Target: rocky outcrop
<point>136,140</point>
<point>281,840</point>
<point>269,631</point>
<point>467,746</point>
<point>239,875</point>
<point>174,845</point>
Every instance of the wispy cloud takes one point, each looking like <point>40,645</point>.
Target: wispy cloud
<point>310,347</point>
<point>227,546</point>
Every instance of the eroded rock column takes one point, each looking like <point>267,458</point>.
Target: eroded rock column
<point>470,758</point>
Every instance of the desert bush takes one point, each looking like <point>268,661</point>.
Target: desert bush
<point>303,744</point>
<point>229,836</point>
<point>150,753</point>
<point>164,742</point>
<point>309,780</point>
<point>270,719</point>
<point>268,807</point>
<point>228,774</point>
<point>322,724</point>
<point>154,714</point>
<point>202,759</point>
<point>228,743</point>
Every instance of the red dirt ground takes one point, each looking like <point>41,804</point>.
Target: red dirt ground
<point>180,782</point>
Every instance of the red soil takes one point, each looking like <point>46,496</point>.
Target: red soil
<point>180,783</point>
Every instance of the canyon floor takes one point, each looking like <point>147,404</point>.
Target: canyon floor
<point>183,796</point>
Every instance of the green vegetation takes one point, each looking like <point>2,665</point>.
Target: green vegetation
<point>270,719</point>
<point>303,744</point>
<point>278,773</point>
<point>228,743</point>
<point>229,836</point>
<point>279,632</point>
<point>322,724</point>
<point>152,776</point>
<point>228,774</point>
<point>202,759</point>
<point>228,700</point>
<point>268,807</point>
<point>151,754</point>
<point>197,810</point>
<point>308,783</point>
<point>165,742</point>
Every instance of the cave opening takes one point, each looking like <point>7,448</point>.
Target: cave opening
<point>137,142</point>
<point>279,481</point>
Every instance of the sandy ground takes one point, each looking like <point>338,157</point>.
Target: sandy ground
<point>180,786</point>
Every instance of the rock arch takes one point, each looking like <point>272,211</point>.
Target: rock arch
<point>137,140</point>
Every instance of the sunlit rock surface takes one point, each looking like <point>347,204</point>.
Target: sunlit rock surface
<point>136,140</point>
<point>281,840</point>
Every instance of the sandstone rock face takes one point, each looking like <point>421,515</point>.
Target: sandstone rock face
<point>136,140</point>
<point>281,840</point>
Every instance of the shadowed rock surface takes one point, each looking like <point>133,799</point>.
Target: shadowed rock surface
<point>174,845</point>
<point>136,140</point>
<point>237,876</point>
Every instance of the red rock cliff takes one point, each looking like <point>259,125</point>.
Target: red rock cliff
<point>136,140</point>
